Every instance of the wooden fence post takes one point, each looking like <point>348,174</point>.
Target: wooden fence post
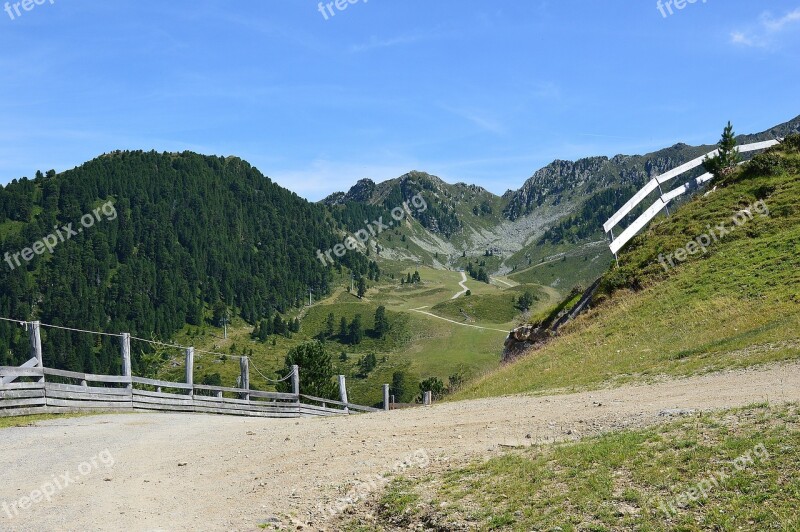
<point>244,365</point>
<point>126,357</point>
<point>386,397</point>
<point>343,392</point>
<point>296,381</point>
<point>35,336</point>
<point>190,368</point>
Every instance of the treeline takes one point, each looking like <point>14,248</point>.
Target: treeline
<point>192,233</point>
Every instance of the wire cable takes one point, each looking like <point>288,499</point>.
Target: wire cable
<point>273,381</point>
<point>184,347</point>
<point>153,342</point>
<point>79,330</point>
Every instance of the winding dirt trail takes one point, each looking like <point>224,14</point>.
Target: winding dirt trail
<point>199,472</point>
<point>463,285</point>
<point>421,311</point>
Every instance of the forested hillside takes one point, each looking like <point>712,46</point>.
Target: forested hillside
<point>192,237</point>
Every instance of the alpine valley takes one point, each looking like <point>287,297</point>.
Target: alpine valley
<point>207,251</point>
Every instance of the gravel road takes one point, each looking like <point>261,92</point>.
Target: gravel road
<point>200,472</point>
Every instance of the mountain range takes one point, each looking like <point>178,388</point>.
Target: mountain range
<point>565,202</point>
<point>196,237</point>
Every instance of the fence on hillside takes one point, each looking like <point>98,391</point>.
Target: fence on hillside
<point>662,203</point>
<point>33,388</point>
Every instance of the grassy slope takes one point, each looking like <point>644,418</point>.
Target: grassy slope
<point>495,308</point>
<point>617,481</point>
<point>563,267</point>
<point>422,345</point>
<point>738,305</point>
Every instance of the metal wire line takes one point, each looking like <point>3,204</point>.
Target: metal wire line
<point>153,342</point>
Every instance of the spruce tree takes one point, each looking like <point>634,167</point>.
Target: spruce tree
<point>329,325</point>
<point>316,370</point>
<point>381,322</point>
<point>362,287</point>
<point>356,331</point>
<point>728,157</point>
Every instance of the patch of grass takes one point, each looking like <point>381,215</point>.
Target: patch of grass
<point>399,500</point>
<point>9,228</point>
<point>563,267</point>
<point>633,480</point>
<point>497,308</point>
<point>28,421</point>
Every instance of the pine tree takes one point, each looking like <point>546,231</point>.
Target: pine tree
<point>525,300</point>
<point>433,385</point>
<point>263,331</point>
<point>329,325</point>
<point>366,365</point>
<point>401,386</point>
<point>316,370</point>
<point>381,322</point>
<point>362,287</point>
<point>356,331</point>
<point>728,157</point>
<point>278,325</point>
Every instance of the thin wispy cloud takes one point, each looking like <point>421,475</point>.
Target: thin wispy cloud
<point>766,32</point>
<point>775,25</point>
<point>737,37</point>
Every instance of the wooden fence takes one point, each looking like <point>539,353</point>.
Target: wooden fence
<point>35,389</point>
<point>664,199</point>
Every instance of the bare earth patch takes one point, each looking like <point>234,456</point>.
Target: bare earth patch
<point>197,472</point>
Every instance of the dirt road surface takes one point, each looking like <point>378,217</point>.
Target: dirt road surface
<point>199,472</point>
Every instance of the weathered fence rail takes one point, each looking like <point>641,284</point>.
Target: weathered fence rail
<point>662,202</point>
<point>35,389</point>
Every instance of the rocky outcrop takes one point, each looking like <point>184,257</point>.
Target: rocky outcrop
<point>524,339</point>
<point>361,192</point>
<point>532,336</point>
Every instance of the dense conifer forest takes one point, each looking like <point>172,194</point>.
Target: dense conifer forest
<point>192,235</point>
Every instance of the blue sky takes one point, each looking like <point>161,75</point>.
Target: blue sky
<point>479,92</point>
